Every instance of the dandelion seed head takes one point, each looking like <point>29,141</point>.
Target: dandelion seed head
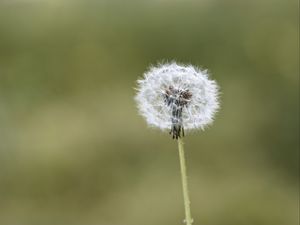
<point>177,97</point>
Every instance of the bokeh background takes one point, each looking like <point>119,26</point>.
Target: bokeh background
<point>73,149</point>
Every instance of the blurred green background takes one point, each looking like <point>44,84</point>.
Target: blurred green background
<point>74,151</point>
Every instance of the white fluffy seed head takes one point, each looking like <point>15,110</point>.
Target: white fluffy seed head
<point>157,101</point>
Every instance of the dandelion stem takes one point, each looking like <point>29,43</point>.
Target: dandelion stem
<point>188,216</point>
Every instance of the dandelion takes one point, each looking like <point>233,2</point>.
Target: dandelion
<point>178,98</point>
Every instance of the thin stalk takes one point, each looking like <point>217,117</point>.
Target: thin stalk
<point>188,216</point>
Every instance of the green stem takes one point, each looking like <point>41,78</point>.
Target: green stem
<point>188,216</point>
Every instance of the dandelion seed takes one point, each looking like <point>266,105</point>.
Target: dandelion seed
<point>177,97</point>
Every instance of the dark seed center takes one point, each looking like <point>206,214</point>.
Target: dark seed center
<point>176,99</point>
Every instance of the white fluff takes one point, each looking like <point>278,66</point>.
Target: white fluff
<point>151,102</point>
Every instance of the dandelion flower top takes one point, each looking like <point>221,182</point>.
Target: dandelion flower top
<point>177,97</point>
